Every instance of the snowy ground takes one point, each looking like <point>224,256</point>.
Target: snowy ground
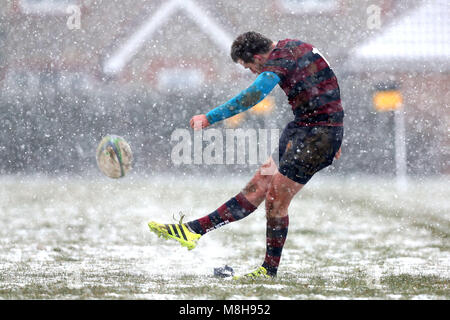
<point>349,238</point>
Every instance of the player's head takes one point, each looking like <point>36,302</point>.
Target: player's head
<point>251,50</point>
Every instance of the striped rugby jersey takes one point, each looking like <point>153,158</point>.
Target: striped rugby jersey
<point>309,83</point>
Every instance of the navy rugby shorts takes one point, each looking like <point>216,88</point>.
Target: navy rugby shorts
<point>303,151</point>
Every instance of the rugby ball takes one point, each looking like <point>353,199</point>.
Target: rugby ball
<point>114,156</point>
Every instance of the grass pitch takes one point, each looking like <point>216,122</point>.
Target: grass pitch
<point>349,238</point>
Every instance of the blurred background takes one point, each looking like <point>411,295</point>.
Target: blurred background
<point>72,71</point>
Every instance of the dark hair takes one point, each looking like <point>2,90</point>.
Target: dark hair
<point>248,44</point>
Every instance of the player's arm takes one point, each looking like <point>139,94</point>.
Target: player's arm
<point>246,99</point>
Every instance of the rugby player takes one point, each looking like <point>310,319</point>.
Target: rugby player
<point>308,143</point>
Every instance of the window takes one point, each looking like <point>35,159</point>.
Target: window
<point>308,6</point>
<point>45,7</point>
<point>180,79</point>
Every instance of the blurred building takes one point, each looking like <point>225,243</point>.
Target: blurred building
<point>412,53</point>
<point>72,70</point>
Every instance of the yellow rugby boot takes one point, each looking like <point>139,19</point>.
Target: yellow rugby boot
<point>260,273</point>
<point>178,232</point>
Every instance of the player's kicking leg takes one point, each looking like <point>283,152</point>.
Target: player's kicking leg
<point>237,208</point>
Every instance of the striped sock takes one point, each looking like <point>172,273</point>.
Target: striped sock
<point>234,209</point>
<point>276,233</point>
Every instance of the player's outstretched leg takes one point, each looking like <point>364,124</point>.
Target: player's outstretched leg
<point>187,234</point>
<point>237,208</point>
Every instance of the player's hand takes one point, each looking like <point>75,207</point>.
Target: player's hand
<point>199,121</point>
<point>338,154</point>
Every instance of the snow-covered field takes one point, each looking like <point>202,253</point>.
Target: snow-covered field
<point>349,238</point>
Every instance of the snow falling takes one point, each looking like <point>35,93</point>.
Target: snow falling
<point>373,225</point>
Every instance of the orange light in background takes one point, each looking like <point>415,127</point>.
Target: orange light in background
<point>266,106</point>
<point>235,120</point>
<point>388,100</point>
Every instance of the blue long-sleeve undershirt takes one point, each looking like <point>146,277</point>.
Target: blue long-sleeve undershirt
<point>246,99</point>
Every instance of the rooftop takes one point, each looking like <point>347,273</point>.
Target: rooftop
<point>418,39</point>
